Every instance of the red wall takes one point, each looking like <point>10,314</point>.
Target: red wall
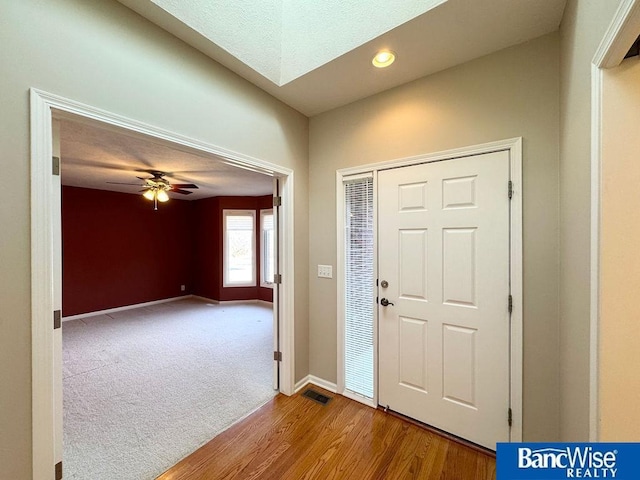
<point>209,228</point>
<point>118,251</point>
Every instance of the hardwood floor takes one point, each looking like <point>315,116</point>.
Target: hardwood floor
<point>297,438</point>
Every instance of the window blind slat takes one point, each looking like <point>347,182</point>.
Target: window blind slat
<point>237,222</point>
<point>359,280</point>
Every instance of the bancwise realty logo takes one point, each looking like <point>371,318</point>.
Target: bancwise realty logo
<point>551,461</point>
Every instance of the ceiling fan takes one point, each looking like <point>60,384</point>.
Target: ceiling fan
<point>157,186</point>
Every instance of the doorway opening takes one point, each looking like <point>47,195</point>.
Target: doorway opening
<point>47,259</point>
<point>148,329</point>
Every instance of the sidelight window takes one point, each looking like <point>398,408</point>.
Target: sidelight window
<point>358,289</point>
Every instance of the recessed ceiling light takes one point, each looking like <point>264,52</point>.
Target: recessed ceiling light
<point>383,58</point>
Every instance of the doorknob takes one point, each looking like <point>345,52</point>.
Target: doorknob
<point>384,302</point>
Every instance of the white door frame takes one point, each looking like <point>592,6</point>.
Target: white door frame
<point>514,147</point>
<point>619,37</point>
<point>45,429</point>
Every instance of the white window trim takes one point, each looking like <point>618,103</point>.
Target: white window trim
<point>263,283</point>
<point>247,213</point>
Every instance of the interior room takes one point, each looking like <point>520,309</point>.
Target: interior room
<point>160,337</point>
<point>415,144</point>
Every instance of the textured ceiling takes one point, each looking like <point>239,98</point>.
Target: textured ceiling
<point>248,29</point>
<point>285,39</point>
<point>316,55</point>
<point>93,155</point>
<point>316,32</point>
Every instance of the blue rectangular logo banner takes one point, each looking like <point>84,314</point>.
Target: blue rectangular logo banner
<point>555,461</point>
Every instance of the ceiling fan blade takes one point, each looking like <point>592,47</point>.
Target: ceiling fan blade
<point>183,185</point>
<point>183,192</point>
<point>120,183</point>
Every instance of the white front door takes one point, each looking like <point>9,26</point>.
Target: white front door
<point>444,343</point>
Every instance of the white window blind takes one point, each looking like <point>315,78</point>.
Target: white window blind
<point>359,281</point>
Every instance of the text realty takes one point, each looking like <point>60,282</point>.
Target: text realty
<point>578,462</point>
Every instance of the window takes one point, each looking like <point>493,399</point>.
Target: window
<point>267,249</point>
<point>358,289</point>
<point>239,248</point>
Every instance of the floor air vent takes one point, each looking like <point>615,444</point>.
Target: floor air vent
<point>316,397</point>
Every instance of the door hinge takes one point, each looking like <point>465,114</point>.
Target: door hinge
<point>57,319</point>
<point>277,356</point>
<point>510,304</point>
<point>277,201</point>
<point>510,189</point>
<point>56,165</point>
<point>58,471</point>
<point>277,278</point>
<point>510,417</point>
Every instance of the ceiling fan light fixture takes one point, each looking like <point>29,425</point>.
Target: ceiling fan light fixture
<point>162,196</point>
<point>149,194</point>
<point>156,189</point>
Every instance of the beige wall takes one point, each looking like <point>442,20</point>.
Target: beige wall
<point>582,29</point>
<point>619,382</point>
<point>507,94</point>
<point>102,54</point>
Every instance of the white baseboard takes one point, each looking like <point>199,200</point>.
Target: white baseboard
<point>301,384</point>
<point>126,307</point>
<point>205,299</point>
<point>317,381</point>
<point>237,302</point>
<point>156,302</point>
<point>232,302</point>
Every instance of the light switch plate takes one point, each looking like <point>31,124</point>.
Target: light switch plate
<point>325,271</point>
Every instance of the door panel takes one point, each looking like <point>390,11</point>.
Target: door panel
<point>459,365</point>
<point>412,197</point>
<point>413,350</point>
<point>413,264</point>
<point>444,251</point>
<point>459,266</point>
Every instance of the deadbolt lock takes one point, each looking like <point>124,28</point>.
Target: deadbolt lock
<point>384,284</point>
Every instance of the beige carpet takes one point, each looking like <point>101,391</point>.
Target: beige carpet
<point>143,388</point>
